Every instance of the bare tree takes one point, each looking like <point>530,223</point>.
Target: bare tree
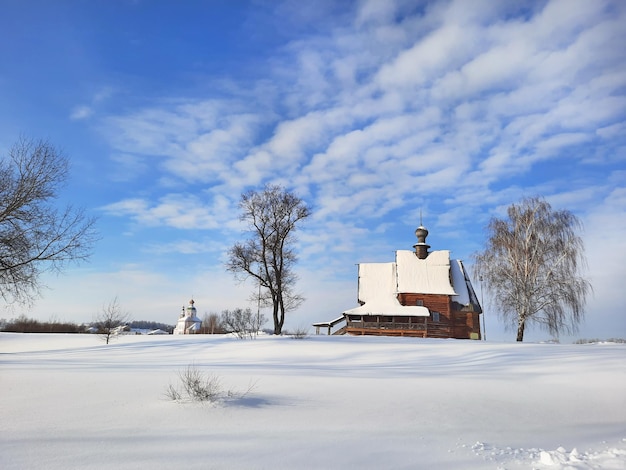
<point>110,320</point>
<point>35,236</point>
<point>268,256</point>
<point>243,323</point>
<point>212,324</point>
<point>531,267</point>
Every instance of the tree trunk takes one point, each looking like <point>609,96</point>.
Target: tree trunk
<point>277,325</point>
<point>520,330</point>
<point>281,312</point>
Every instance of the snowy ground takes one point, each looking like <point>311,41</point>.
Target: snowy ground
<point>70,401</point>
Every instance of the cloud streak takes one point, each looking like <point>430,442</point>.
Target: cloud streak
<point>489,96</point>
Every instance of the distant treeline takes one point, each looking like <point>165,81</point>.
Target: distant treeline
<point>150,325</point>
<point>22,324</point>
<point>597,340</point>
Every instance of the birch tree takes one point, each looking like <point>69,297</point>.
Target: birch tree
<point>268,256</point>
<point>531,268</point>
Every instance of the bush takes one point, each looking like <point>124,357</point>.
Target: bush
<point>200,387</point>
<point>197,386</point>
<point>243,323</point>
<point>300,333</point>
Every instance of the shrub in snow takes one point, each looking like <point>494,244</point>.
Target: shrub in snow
<point>195,385</point>
<point>300,333</point>
<point>173,393</point>
<point>242,322</point>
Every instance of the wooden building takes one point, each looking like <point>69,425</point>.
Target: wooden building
<point>422,293</point>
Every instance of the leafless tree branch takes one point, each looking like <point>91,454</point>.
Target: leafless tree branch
<point>110,319</point>
<point>35,236</point>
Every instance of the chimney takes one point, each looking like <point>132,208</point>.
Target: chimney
<point>421,248</point>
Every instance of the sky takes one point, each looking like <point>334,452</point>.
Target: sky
<point>373,112</point>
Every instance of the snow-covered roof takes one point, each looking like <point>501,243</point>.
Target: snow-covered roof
<point>425,276</point>
<point>330,323</point>
<point>462,285</point>
<point>377,292</point>
<point>393,308</point>
<point>380,283</point>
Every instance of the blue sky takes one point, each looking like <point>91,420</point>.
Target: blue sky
<point>371,111</point>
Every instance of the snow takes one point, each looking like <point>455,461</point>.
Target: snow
<point>426,276</point>
<point>377,288</point>
<point>70,401</point>
<point>462,284</point>
<point>377,281</point>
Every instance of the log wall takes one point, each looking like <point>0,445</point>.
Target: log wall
<point>452,322</point>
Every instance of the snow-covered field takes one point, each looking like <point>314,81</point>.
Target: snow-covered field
<point>72,402</point>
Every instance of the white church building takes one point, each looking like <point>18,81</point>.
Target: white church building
<point>188,322</point>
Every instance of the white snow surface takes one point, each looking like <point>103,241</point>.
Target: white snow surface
<point>324,402</point>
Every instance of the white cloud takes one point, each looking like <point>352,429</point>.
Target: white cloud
<point>426,60</point>
<point>375,11</point>
<point>103,94</point>
<point>86,111</point>
<point>186,212</point>
<point>185,247</point>
<point>81,112</point>
<point>128,167</point>
<point>557,142</point>
<point>614,130</point>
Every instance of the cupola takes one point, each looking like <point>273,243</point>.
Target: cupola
<point>421,247</point>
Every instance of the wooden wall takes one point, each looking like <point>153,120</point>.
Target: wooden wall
<point>452,323</point>
<point>437,303</point>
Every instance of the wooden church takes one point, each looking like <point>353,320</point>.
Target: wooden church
<point>422,293</point>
